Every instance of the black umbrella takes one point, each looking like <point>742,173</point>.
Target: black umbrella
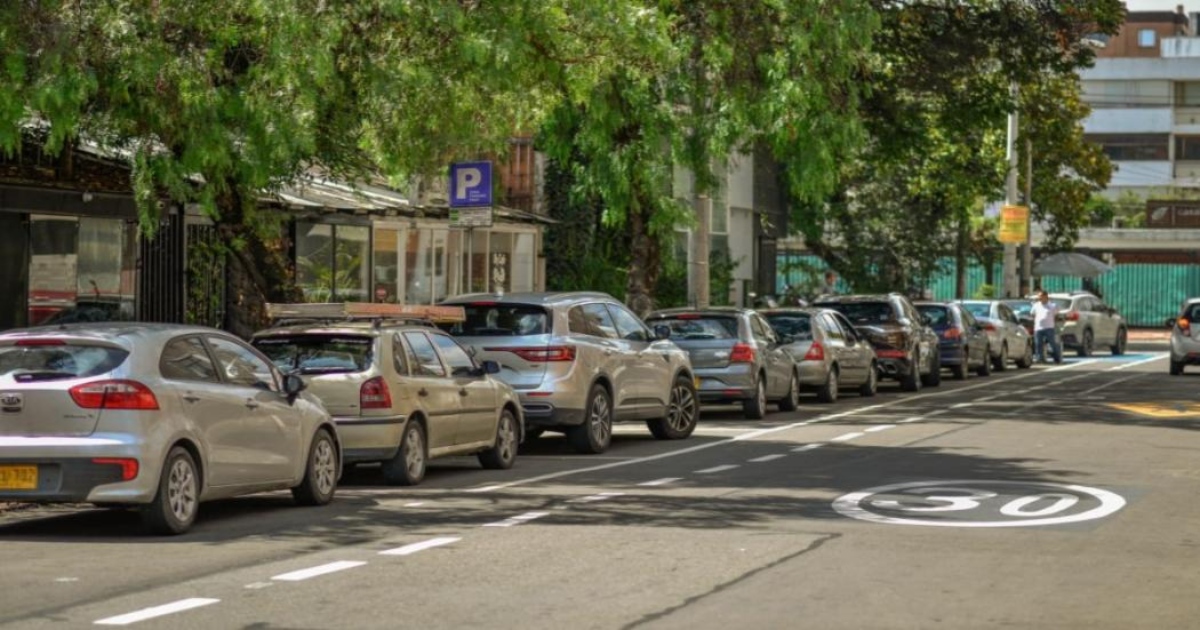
<point>1070,264</point>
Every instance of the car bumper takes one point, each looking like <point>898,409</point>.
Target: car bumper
<point>542,412</point>
<point>1185,351</point>
<point>950,354</point>
<point>369,439</point>
<point>812,373</point>
<point>733,383</point>
<point>66,470</point>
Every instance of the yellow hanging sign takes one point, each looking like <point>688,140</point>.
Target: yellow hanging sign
<point>1014,224</point>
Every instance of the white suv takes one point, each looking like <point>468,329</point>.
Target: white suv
<point>1087,323</point>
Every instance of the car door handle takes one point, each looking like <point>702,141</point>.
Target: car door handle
<point>251,403</point>
<point>423,392</point>
<point>192,398</point>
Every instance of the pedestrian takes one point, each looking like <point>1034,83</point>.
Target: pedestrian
<point>1045,328</point>
<point>830,285</point>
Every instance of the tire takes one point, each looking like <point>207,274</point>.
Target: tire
<point>756,408</point>
<point>595,434</point>
<point>1122,340</point>
<point>407,467</point>
<point>829,390</point>
<point>177,501</point>
<point>870,388</point>
<point>985,368</point>
<point>1085,344</point>
<point>960,371</point>
<point>1026,360</point>
<point>683,411</point>
<point>504,452</point>
<point>321,472</point>
<point>934,377</point>
<point>911,382</point>
<point>791,402</point>
<point>1001,362</point>
<point>1176,368</point>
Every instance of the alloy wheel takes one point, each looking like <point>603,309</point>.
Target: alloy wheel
<point>682,411</point>
<point>414,454</point>
<point>325,466</point>
<point>181,490</point>
<point>599,419</point>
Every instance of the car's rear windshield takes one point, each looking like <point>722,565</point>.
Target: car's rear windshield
<point>318,354</point>
<point>500,320</point>
<point>48,360</point>
<point>798,326</point>
<point>978,309</point>
<point>864,312</point>
<point>1062,303</point>
<point>938,315</point>
<point>1020,307</point>
<point>700,327</point>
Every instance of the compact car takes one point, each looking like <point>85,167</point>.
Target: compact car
<point>1185,337</point>
<point>1087,323</point>
<point>1009,339</point>
<point>962,342</point>
<point>830,355</point>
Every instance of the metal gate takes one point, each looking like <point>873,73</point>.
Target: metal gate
<point>205,274</point>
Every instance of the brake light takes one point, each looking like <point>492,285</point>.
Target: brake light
<point>129,466</point>
<point>540,354</point>
<point>742,353</point>
<point>952,333</point>
<point>891,354</point>
<point>816,352</point>
<point>41,342</point>
<point>989,327</point>
<point>374,394</point>
<point>1073,316</point>
<point>1185,326</point>
<point>115,394</point>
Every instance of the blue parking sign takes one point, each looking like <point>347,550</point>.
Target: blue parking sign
<point>470,184</point>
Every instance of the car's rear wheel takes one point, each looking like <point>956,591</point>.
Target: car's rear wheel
<point>985,366</point>
<point>870,387</point>
<point>829,390</point>
<point>595,434</point>
<point>1026,360</point>
<point>502,455</point>
<point>960,371</point>
<point>791,402</point>
<point>1085,344</point>
<point>1001,362</point>
<point>321,472</point>
<point>911,382</point>
<point>407,467</point>
<point>755,408</point>
<point>934,377</point>
<point>1118,348</point>
<point>683,411</point>
<point>177,501</point>
<point>1176,368</point>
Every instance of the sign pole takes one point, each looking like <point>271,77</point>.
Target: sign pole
<point>1011,281</point>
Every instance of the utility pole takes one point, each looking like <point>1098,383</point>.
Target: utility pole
<point>1010,199</point>
<point>1027,251</point>
<point>700,248</point>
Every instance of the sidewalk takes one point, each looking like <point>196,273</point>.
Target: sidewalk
<point>1149,334</point>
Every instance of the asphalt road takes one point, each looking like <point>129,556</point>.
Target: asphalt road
<point>1057,497</point>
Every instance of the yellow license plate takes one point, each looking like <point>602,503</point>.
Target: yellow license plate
<point>696,382</point>
<point>18,477</point>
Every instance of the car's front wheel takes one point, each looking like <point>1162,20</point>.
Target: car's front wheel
<point>321,472</point>
<point>960,371</point>
<point>829,390</point>
<point>870,387</point>
<point>177,501</point>
<point>791,402</point>
<point>1085,344</point>
<point>934,377</point>
<point>911,381</point>
<point>1118,348</point>
<point>985,366</point>
<point>595,434</point>
<point>407,467</point>
<point>1026,360</point>
<point>683,411</point>
<point>504,452</point>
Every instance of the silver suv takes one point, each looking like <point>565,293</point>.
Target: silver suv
<point>1185,337</point>
<point>579,362</point>
<point>1088,323</point>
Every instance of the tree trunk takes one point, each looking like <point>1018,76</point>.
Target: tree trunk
<point>258,267</point>
<point>644,261</point>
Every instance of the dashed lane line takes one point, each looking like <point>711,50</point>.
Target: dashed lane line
<point>807,447</point>
<point>596,497</point>
<point>846,437</point>
<point>717,469</point>
<point>768,458</point>
<point>661,482</point>
<point>408,550</point>
<point>878,428</point>
<point>324,569</point>
<point>157,611</point>
<point>518,519</point>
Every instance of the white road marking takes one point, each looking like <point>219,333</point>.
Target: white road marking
<point>962,405</point>
<point>846,437</point>
<point>414,504</point>
<point>768,458</point>
<point>64,580</point>
<point>596,497</point>
<point>661,482</point>
<point>1110,384</point>
<point>882,427</point>
<point>407,550</point>
<point>324,569</point>
<point>807,447</point>
<point>489,488</point>
<point>717,469</point>
<point>157,611</point>
<point>258,585</point>
<point>1156,357</point>
<point>518,519</point>
<point>914,419</point>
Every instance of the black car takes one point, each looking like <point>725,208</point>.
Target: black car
<point>905,345</point>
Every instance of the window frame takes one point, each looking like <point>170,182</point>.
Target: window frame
<point>471,366</point>
<point>203,348</point>
<point>1141,38</point>
<point>273,386</point>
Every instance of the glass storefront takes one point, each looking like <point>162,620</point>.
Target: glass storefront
<point>81,269</point>
<point>333,262</point>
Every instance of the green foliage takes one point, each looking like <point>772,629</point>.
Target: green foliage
<point>985,292</point>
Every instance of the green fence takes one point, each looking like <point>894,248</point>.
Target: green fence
<point>1145,294</point>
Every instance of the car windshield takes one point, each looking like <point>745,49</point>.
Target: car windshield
<point>318,354</point>
<point>700,327</point>
<point>938,315</point>
<point>978,309</point>
<point>1020,307</point>
<point>798,326</point>
<point>47,360</point>
<point>864,312</point>
<point>500,320</point>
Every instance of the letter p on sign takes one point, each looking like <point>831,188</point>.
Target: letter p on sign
<point>470,184</point>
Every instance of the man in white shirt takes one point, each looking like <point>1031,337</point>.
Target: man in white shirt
<point>1045,328</point>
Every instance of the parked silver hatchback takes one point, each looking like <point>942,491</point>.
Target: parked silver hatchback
<point>1007,337</point>
<point>580,361</point>
<point>736,356</point>
<point>830,355</point>
<point>156,416</point>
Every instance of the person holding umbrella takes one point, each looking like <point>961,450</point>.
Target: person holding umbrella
<point>1045,328</point>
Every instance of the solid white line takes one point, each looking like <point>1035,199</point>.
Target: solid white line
<point>807,447</point>
<point>414,504</point>
<point>846,437</point>
<point>157,611</point>
<point>914,419</point>
<point>661,482</point>
<point>1157,357</point>
<point>304,574</point>
<point>962,405</point>
<point>717,469</point>
<point>768,458</point>
<point>421,546</point>
<point>518,519</point>
<point>882,427</point>
<point>489,488</point>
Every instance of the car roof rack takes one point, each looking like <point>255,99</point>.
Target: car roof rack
<point>282,314</point>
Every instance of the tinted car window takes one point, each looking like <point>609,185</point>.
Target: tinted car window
<point>831,328</point>
<point>318,354</point>
<point>50,362</point>
<point>426,361</point>
<point>486,319</point>
<point>186,359</point>
<point>938,315</point>
<point>399,355</point>
<point>628,325</point>
<point>593,320</point>
<point>847,330</point>
<point>1063,304</point>
<point>1192,312</point>
<point>864,312</point>
<point>701,327</point>
<point>1021,308</point>
<point>456,358</point>
<point>978,309</point>
<point>239,364</point>
<point>795,325</point>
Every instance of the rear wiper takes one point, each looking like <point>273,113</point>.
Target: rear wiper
<point>42,375</point>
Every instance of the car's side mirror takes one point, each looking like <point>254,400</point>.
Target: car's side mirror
<point>489,366</point>
<point>662,331</point>
<point>292,386</point>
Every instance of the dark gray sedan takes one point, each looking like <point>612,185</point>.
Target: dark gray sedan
<point>830,355</point>
<point>735,356</point>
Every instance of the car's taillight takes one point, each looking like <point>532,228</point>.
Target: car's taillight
<point>374,394</point>
<point>742,353</point>
<point>115,394</point>
<point>129,466</point>
<point>540,354</point>
<point>1073,316</point>
<point>1185,326</point>
<point>816,352</point>
<point>952,333</point>
<point>989,327</point>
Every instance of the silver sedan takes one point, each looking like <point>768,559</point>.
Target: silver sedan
<point>155,416</point>
<point>830,355</point>
<point>1007,337</point>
